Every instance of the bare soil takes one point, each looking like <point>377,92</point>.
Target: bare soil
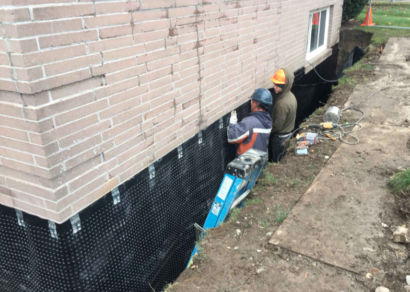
<point>237,256</point>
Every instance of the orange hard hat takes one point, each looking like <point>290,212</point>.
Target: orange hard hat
<point>279,77</point>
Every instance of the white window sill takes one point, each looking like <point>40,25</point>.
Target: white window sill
<point>317,59</point>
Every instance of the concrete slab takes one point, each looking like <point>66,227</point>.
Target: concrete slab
<point>337,220</point>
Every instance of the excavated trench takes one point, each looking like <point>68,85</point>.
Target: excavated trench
<point>310,90</point>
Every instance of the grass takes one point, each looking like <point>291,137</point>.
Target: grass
<point>170,287</point>
<point>265,224</point>
<point>253,201</point>
<point>201,255</point>
<point>294,182</point>
<point>280,214</point>
<point>400,182</point>
<point>233,216</point>
<point>270,179</point>
<point>387,15</point>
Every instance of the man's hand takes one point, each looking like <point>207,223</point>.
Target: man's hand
<point>234,118</point>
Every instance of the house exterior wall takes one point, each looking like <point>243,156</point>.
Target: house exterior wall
<point>92,92</point>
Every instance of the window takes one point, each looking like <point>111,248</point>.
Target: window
<point>318,30</point>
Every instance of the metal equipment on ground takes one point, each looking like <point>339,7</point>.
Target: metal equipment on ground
<point>240,177</point>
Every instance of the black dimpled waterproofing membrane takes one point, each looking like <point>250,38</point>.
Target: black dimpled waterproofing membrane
<point>140,244</point>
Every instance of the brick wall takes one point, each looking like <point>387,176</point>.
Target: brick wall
<point>92,92</point>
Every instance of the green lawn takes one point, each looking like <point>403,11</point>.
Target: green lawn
<point>387,15</point>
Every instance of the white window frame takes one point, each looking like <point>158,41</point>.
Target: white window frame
<point>319,50</point>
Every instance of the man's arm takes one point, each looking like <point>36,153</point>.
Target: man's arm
<point>237,133</point>
<point>278,119</point>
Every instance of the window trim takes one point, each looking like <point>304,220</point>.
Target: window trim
<point>319,50</point>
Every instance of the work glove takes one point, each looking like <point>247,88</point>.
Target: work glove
<point>234,119</point>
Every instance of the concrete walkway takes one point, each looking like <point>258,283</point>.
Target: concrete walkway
<point>339,219</point>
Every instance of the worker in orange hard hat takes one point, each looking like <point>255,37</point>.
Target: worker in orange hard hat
<point>283,114</point>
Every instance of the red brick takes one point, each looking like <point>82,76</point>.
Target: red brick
<point>76,88</point>
<point>4,59</point>
<point>31,169</point>
<point>36,99</point>
<point>118,150</point>
<point>87,155</point>
<point>121,107</point>
<point>107,20</point>
<point>128,94</point>
<point>16,155</point>
<point>13,133</point>
<point>140,16</point>
<point>29,208</point>
<point>95,195</point>
<point>105,45</point>
<point>14,14</point>
<point>158,111</point>
<point>8,85</point>
<point>162,63</point>
<point>188,2</point>
<point>128,134</point>
<point>6,72</point>
<point>131,113</point>
<point>85,133</point>
<point>149,4</point>
<point>68,39</point>
<point>132,150</point>
<point>157,55</point>
<point>91,175</point>
<point>163,143</point>
<point>39,28</point>
<point>125,74</point>
<point>123,53</point>
<point>115,31</point>
<point>153,94</point>
<point>154,46</point>
<point>146,37</point>
<point>68,153</point>
<point>3,46</point>
<point>168,148</point>
<point>64,131</point>
<point>116,88</point>
<point>72,64</point>
<point>183,30</point>
<point>80,112</point>
<point>133,166</point>
<point>155,75</point>
<point>178,12</point>
<point>29,74</point>
<point>160,82</point>
<point>62,11</point>
<point>59,106</point>
<point>43,57</point>
<point>156,25</point>
<point>39,191</point>
<point>53,82</point>
<point>114,66</point>
<point>114,7</point>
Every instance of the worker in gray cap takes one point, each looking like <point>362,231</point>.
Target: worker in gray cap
<point>254,130</point>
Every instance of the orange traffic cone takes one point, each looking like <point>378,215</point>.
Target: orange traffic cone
<point>369,18</point>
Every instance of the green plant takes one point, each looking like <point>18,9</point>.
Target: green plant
<point>352,8</point>
<point>281,215</point>
<point>253,201</point>
<point>265,224</point>
<point>201,256</point>
<point>294,182</point>
<point>400,182</point>
<point>170,287</point>
<point>233,216</point>
<point>270,179</point>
